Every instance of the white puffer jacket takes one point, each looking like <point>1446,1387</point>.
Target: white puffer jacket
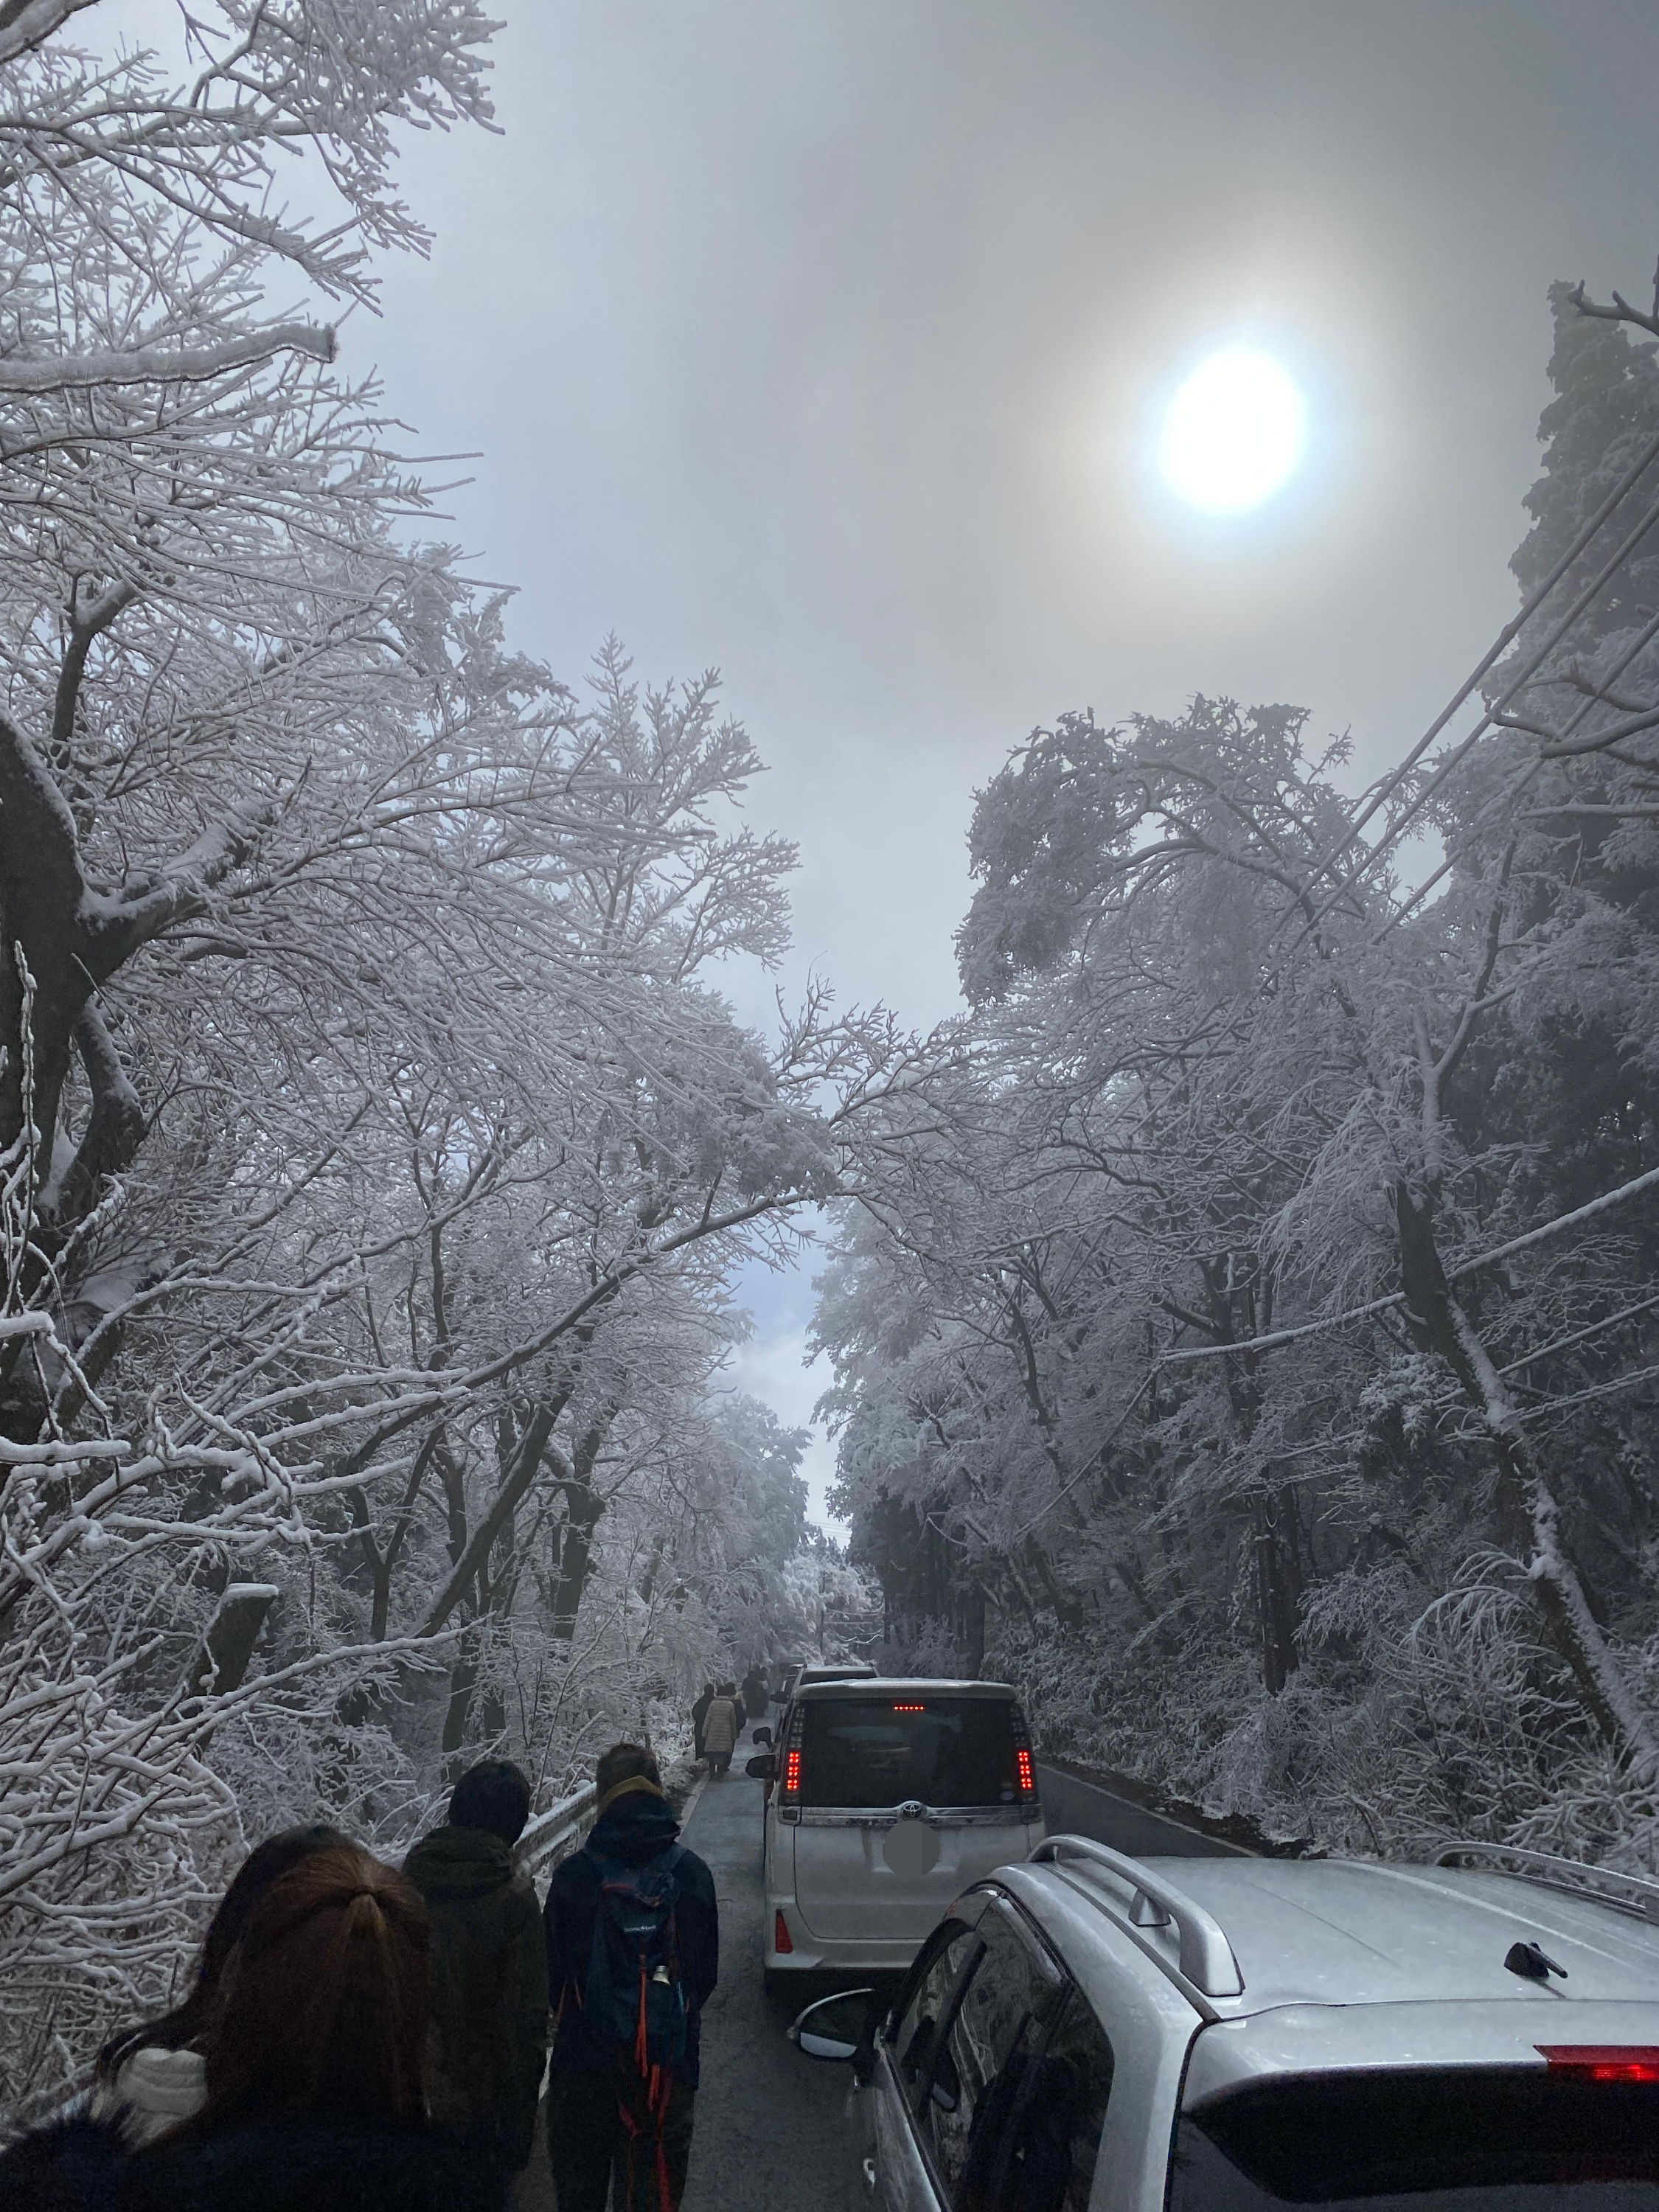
<point>153,2092</point>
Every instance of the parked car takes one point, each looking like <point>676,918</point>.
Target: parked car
<point>816,1670</point>
<point>822,1670</point>
<point>889,1797</point>
<point>1089,2032</point>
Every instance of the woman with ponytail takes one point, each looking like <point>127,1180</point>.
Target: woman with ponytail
<point>151,2077</point>
<point>314,2076</point>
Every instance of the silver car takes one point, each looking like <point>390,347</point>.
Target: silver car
<point>1094,2033</point>
<point>823,1670</point>
<point>888,1797</point>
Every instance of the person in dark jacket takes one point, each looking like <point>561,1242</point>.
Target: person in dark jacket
<point>489,1963</point>
<point>593,2101</point>
<point>698,1715</point>
<point>85,2165</point>
<point>755,1694</point>
<point>314,2076</point>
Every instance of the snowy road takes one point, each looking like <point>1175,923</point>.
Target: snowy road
<point>770,2130</point>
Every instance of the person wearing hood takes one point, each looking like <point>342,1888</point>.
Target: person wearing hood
<point>613,2106</point>
<point>489,1965</point>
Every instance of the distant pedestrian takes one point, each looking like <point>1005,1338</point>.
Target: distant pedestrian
<point>722,1725</point>
<point>755,1695</point>
<point>489,1965</point>
<point>698,1715</point>
<point>633,1955</point>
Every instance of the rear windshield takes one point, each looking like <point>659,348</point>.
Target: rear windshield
<point>1464,2140</point>
<point>877,1752</point>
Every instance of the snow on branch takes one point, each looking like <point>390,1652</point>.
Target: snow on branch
<point>26,24</point>
<point>165,365</point>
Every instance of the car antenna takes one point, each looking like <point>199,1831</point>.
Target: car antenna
<point>1532,1964</point>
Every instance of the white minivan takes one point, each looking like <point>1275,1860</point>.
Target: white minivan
<point>888,1798</point>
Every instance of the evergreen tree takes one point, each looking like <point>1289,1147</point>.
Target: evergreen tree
<point>1605,410</point>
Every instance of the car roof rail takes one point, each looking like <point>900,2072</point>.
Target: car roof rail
<point>1208,1960</point>
<point>1631,1892</point>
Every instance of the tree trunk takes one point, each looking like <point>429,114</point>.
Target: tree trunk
<point>1276,1591</point>
<point>975,1623</point>
<point>463,1678</point>
<point>222,1657</point>
<point>1530,1511</point>
<point>583,1507</point>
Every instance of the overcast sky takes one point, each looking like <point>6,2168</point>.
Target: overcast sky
<point>824,340</point>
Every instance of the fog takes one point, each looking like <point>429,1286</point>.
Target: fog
<point>827,344</point>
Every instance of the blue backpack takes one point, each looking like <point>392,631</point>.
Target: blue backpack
<point>635,1994</point>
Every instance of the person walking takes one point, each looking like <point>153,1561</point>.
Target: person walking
<point>633,1956</point>
<point>489,1963</point>
<point>698,1715</point>
<point>755,1695</point>
<point>721,1727</point>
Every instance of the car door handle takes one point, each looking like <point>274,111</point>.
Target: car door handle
<point>870,2173</point>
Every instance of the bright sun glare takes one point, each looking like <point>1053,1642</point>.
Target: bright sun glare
<point>1234,432</point>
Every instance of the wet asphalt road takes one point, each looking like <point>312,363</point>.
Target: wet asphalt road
<point>770,2127</point>
<point>1071,1806</point>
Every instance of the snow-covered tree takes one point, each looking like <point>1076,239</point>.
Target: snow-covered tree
<point>1248,1301</point>
<point>374,1142</point>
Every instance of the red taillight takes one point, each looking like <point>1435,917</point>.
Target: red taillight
<point>789,1767</point>
<point>1602,2061</point>
<point>1024,1765</point>
<point>781,1942</point>
<point>910,1708</point>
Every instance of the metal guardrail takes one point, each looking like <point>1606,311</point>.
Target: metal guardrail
<point>1207,1958</point>
<point>1631,1892</point>
<point>554,1834</point>
<point>550,1836</point>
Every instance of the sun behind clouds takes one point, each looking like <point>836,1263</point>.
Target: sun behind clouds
<point>1234,433</point>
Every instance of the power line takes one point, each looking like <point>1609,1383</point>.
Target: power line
<point>1512,790</point>
<point>1506,637</point>
<point>1580,1335</point>
<point>1580,1214</point>
<point>1454,759</point>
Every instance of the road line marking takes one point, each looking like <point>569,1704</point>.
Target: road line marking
<point>1163,1819</point>
<point>690,1804</point>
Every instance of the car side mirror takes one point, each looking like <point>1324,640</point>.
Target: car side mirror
<point>762,1735</point>
<point>823,2040</point>
<point>761,1768</point>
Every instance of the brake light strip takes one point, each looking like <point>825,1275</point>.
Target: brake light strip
<point>1602,2061</point>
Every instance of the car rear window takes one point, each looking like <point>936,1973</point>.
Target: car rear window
<point>1464,2139</point>
<point>882,1751</point>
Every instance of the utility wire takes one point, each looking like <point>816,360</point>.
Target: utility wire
<point>1633,1188</point>
<point>1506,637</point>
<point>1513,790</point>
<point>1580,1335</point>
<point>1454,759</point>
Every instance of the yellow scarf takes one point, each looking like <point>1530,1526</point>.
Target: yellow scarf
<point>635,1782</point>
